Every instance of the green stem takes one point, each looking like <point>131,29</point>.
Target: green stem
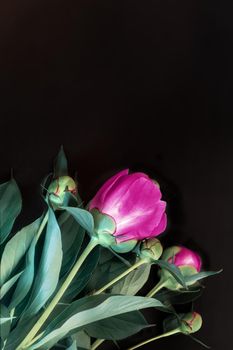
<point>157,288</point>
<point>97,343</point>
<point>92,244</point>
<point>125,273</point>
<point>174,331</point>
<point>116,279</point>
<point>42,225</point>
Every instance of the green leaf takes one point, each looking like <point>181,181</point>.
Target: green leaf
<point>117,327</point>
<point>172,322</point>
<point>83,217</point>
<point>201,275</point>
<point>112,306</point>
<point>60,164</point>
<point>26,279</point>
<point>107,269</point>
<point>169,297</point>
<point>72,308</point>
<point>72,237</point>
<point>10,207</point>
<point>5,321</point>
<point>82,340</point>
<point>16,248</point>
<point>126,262</point>
<point>174,271</point>
<point>133,282</point>
<point>47,276</point>
<point>82,277</point>
<point>73,346</point>
<point>17,335</point>
<point>7,286</point>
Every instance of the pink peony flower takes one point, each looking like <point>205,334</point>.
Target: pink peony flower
<point>133,202</point>
<point>181,256</point>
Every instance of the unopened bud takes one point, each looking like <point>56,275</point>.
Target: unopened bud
<point>59,188</point>
<point>151,249</point>
<point>191,323</point>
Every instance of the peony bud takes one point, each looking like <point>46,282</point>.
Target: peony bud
<point>151,249</point>
<point>132,206</point>
<point>191,323</point>
<point>58,189</point>
<point>185,259</point>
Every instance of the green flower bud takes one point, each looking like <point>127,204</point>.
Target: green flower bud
<point>151,249</point>
<point>104,227</point>
<point>58,189</point>
<point>191,323</point>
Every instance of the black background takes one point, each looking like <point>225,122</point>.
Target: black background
<point>145,85</point>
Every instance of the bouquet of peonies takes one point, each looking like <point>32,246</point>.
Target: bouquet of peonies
<point>71,278</point>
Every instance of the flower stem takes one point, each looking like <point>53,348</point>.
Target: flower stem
<point>92,244</point>
<point>97,343</point>
<point>42,225</point>
<point>157,288</point>
<point>125,273</point>
<point>174,331</point>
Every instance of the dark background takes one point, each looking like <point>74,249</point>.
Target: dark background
<point>139,84</point>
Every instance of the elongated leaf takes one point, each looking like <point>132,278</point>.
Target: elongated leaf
<point>16,248</point>
<point>201,275</point>
<point>73,345</point>
<point>26,279</point>
<point>133,282</point>
<point>60,164</point>
<point>49,269</point>
<point>112,306</point>
<point>80,280</point>
<point>117,327</point>
<point>174,271</point>
<point>71,309</point>
<point>82,340</point>
<point>107,269</point>
<point>72,237</point>
<point>83,217</point>
<point>10,207</point>
<point>17,335</point>
<point>172,322</point>
<point>5,321</point>
<point>7,286</point>
<point>169,297</point>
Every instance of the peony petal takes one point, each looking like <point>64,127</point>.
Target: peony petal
<point>98,200</point>
<point>120,192</point>
<point>161,226</point>
<point>189,258</point>
<point>137,195</point>
<point>140,230</point>
<point>143,222</point>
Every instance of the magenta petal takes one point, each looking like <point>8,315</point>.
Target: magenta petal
<point>189,258</point>
<point>142,231</point>
<point>98,200</point>
<point>161,226</point>
<point>121,192</point>
<point>137,196</point>
<point>139,215</point>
